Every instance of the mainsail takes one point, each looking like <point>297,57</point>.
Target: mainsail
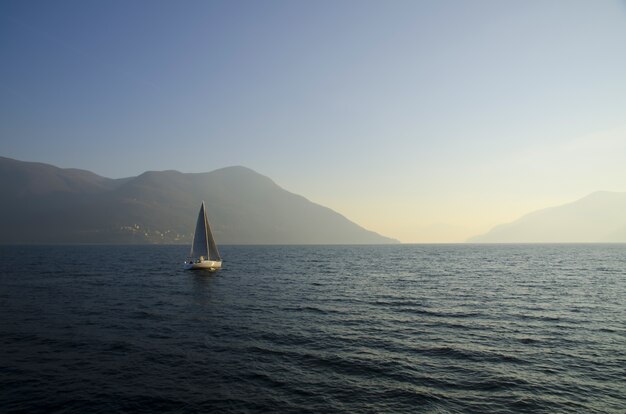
<point>203,242</point>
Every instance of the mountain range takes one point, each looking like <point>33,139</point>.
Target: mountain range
<point>42,203</point>
<point>599,217</point>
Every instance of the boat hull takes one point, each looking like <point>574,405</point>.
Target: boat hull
<point>210,265</point>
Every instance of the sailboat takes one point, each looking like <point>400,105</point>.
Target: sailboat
<point>204,254</point>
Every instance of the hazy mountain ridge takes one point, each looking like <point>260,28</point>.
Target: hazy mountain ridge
<point>598,217</point>
<point>47,204</point>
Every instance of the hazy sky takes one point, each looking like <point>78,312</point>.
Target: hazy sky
<point>426,121</point>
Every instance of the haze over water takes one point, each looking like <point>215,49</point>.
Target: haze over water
<point>425,121</point>
<point>399,328</point>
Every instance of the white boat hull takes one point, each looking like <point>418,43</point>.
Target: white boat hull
<point>210,265</point>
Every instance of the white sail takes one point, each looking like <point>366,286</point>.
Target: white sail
<point>214,254</point>
<point>204,253</point>
<point>200,244</point>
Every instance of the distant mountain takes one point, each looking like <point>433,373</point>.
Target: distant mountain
<point>599,217</point>
<point>45,204</point>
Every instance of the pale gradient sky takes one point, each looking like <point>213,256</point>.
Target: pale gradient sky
<point>427,121</point>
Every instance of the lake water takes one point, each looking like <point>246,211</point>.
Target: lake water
<point>320,329</point>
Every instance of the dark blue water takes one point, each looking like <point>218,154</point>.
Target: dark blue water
<point>441,329</point>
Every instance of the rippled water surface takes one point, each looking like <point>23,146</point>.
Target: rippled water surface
<point>405,328</point>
